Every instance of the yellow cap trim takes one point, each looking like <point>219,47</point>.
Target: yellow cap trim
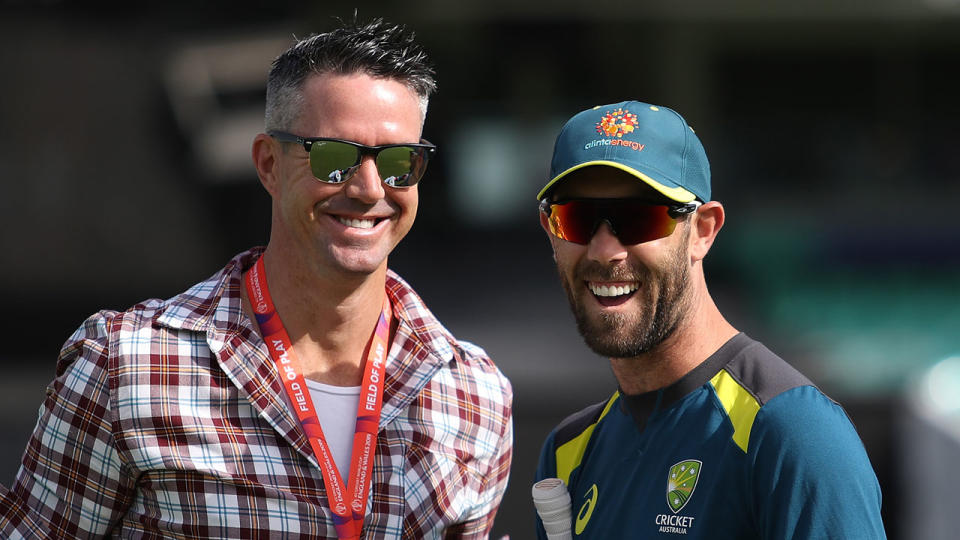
<point>678,194</point>
<point>741,406</point>
<point>571,452</point>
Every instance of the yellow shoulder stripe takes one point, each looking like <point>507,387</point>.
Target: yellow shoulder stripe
<point>571,452</point>
<point>740,405</point>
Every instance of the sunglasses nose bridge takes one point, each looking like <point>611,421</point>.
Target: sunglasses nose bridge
<point>598,225</point>
<point>369,155</point>
<point>364,182</point>
<point>600,221</point>
<point>595,227</point>
<point>604,245</point>
<point>363,156</point>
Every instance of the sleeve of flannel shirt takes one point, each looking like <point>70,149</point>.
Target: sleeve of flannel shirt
<point>71,482</point>
<point>495,481</point>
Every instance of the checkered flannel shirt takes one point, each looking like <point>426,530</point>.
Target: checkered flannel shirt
<point>170,420</point>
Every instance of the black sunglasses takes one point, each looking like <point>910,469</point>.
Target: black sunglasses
<point>334,161</point>
<point>633,221</point>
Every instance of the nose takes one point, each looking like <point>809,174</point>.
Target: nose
<point>365,184</point>
<point>604,246</point>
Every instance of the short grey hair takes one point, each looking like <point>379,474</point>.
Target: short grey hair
<point>377,48</point>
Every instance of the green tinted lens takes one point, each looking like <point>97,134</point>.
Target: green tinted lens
<point>331,161</point>
<point>398,165</point>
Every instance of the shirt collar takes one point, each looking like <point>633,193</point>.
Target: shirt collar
<point>420,347</point>
<point>642,406</point>
<point>214,306</point>
<point>419,322</point>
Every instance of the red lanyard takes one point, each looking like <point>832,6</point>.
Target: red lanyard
<point>348,522</point>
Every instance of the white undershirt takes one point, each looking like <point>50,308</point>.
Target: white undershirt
<point>337,411</point>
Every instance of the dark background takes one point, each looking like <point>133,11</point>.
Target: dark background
<point>832,129</point>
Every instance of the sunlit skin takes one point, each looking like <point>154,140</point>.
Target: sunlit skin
<point>670,287</point>
<point>327,278</point>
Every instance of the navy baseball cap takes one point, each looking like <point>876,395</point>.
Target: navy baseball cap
<point>652,143</point>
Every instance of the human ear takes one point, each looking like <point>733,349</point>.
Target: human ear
<point>265,159</point>
<point>705,225</point>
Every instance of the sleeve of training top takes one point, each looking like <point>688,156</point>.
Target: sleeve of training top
<point>70,483</point>
<point>810,472</point>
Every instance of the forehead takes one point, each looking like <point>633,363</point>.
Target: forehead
<point>602,182</point>
<point>359,107</point>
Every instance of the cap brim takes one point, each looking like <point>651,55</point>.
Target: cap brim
<point>678,194</point>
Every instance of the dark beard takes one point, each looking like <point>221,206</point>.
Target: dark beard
<point>632,334</point>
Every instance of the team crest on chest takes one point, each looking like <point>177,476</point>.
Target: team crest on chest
<point>681,481</point>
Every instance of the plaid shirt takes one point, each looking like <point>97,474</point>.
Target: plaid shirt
<point>169,420</point>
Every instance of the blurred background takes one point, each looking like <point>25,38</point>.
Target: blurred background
<point>832,129</point>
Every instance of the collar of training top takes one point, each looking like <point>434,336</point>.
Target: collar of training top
<point>642,406</point>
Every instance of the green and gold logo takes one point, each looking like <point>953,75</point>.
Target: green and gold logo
<point>681,481</point>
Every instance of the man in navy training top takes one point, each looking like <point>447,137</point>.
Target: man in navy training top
<point>709,435</point>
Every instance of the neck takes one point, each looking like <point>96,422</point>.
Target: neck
<point>329,319</point>
<point>698,335</point>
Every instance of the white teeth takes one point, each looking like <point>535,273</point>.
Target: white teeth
<point>358,223</point>
<point>617,290</point>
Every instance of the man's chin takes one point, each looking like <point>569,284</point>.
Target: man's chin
<point>610,349</point>
<point>358,261</point>
<point>606,336</point>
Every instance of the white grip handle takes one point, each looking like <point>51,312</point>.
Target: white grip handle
<point>552,500</point>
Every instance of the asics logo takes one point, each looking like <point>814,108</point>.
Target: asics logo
<point>586,510</point>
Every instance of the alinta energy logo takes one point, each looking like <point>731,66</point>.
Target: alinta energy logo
<point>681,481</point>
<point>617,123</point>
<point>614,125</point>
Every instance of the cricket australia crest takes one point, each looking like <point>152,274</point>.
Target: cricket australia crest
<point>681,481</point>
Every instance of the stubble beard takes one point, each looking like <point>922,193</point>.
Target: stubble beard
<point>627,335</point>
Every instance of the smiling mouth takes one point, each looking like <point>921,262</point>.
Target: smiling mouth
<point>610,291</point>
<point>359,223</point>
<point>608,294</point>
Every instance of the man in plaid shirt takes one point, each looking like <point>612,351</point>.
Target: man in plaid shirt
<point>175,419</point>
